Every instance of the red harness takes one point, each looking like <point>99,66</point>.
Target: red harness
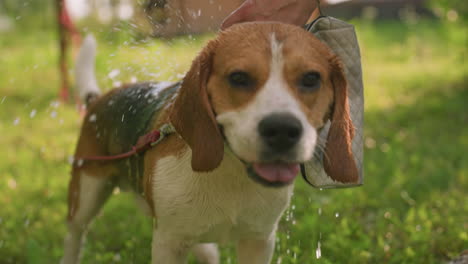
<point>143,144</point>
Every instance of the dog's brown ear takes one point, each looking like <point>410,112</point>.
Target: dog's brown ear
<point>192,115</point>
<point>339,161</point>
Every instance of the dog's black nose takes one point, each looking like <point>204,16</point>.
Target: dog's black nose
<point>280,131</point>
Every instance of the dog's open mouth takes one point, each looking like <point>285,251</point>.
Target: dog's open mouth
<point>273,174</point>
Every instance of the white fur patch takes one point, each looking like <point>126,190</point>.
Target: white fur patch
<point>241,127</point>
<point>219,206</point>
<point>84,68</point>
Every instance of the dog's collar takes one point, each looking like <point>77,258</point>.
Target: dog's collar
<point>143,144</point>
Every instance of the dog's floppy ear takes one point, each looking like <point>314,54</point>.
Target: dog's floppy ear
<point>339,161</point>
<point>192,115</point>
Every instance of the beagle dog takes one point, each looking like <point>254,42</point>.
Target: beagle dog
<point>246,115</point>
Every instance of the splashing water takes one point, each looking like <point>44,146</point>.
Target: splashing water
<point>79,163</point>
<point>54,104</point>
<point>92,118</point>
<point>33,113</point>
<point>112,74</point>
<point>318,251</point>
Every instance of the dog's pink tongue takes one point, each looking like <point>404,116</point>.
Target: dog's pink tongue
<point>276,172</point>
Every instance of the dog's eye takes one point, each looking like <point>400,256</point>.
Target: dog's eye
<point>309,82</point>
<point>240,79</point>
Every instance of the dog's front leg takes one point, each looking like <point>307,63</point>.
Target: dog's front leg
<point>168,250</point>
<point>256,251</point>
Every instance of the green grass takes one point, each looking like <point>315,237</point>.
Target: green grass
<point>413,207</point>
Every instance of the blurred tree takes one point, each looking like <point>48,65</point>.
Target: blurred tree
<point>29,6</point>
<point>447,6</point>
<point>29,13</point>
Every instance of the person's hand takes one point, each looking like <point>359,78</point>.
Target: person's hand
<point>287,11</point>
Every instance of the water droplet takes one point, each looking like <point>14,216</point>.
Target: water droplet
<point>318,251</point>
<point>180,75</point>
<point>33,113</point>
<point>112,74</point>
<point>54,104</point>
<point>92,118</point>
<point>337,214</point>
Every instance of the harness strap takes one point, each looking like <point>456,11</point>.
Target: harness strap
<point>143,144</point>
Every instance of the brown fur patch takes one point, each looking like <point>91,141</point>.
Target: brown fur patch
<point>193,117</point>
<point>339,161</point>
<point>302,53</point>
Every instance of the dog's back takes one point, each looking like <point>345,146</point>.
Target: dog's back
<point>116,120</point>
<point>120,117</point>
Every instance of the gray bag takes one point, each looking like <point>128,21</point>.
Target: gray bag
<point>341,38</point>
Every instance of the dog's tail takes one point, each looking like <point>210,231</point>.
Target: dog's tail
<point>87,87</point>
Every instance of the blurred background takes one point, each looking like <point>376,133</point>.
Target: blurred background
<point>412,208</point>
